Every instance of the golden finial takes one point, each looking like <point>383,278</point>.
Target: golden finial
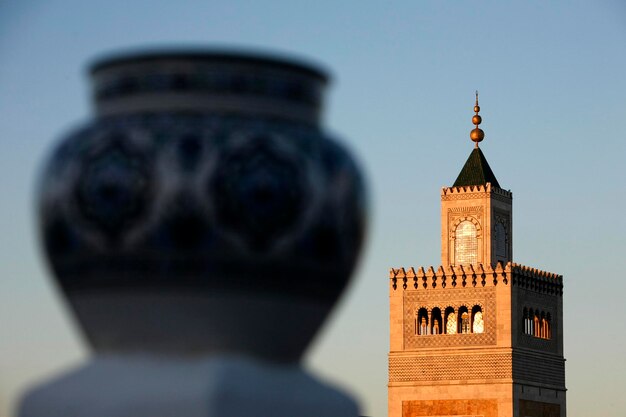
<point>477,134</point>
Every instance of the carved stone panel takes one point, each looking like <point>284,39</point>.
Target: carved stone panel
<point>540,369</point>
<point>450,367</point>
<point>465,196</point>
<point>459,216</point>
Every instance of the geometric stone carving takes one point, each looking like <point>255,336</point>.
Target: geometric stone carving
<point>539,369</point>
<point>450,367</point>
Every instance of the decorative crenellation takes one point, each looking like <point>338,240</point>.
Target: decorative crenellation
<point>482,190</point>
<point>453,276</point>
<point>449,276</point>
<point>536,280</point>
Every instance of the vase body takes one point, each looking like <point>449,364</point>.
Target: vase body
<point>203,208</point>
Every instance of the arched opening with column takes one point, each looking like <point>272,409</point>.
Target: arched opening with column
<point>545,326</point>
<point>525,321</point>
<point>422,322</point>
<point>478,324</point>
<point>548,326</point>
<point>436,323</point>
<point>464,320</point>
<point>450,321</point>
<point>536,325</point>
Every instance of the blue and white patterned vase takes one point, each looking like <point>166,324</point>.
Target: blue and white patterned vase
<point>203,209</point>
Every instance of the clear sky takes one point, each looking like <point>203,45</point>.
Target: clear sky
<point>552,78</point>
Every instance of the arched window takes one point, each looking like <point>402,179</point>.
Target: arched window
<point>464,320</point>
<point>500,239</point>
<point>536,325</point>
<point>422,322</point>
<point>435,316</point>
<point>450,321</point>
<point>548,326</point>
<point>465,243</point>
<point>478,325</point>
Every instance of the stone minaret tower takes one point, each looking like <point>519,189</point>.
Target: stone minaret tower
<point>479,335</point>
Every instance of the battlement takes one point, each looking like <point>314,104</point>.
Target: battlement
<point>461,276</point>
<point>471,189</point>
<point>536,280</point>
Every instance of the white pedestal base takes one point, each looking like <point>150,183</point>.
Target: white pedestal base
<point>145,386</point>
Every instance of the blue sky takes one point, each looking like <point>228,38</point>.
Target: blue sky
<point>552,91</point>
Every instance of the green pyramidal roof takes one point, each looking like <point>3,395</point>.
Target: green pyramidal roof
<point>476,171</point>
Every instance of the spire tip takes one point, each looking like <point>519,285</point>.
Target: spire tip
<point>477,135</point>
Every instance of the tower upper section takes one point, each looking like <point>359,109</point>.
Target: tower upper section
<point>476,214</point>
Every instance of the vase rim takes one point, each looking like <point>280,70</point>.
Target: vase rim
<point>224,55</point>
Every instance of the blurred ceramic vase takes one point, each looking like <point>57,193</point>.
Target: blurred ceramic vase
<point>203,210</point>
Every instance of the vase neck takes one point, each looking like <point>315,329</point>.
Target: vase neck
<point>208,83</point>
